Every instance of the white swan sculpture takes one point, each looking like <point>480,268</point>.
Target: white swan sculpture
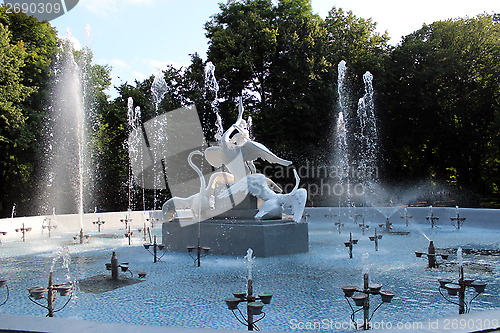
<point>198,203</point>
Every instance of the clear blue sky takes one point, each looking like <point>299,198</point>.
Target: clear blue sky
<point>138,37</point>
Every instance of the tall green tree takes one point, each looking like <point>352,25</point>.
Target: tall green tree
<point>242,39</point>
<point>443,99</point>
<point>40,44</point>
<point>274,54</point>
<point>355,40</point>
<point>300,83</point>
<point>14,132</point>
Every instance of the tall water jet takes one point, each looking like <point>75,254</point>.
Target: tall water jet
<point>158,90</point>
<point>359,148</point>
<point>368,136</point>
<point>211,84</point>
<point>68,130</point>
<point>341,152</point>
<point>211,92</point>
<point>134,123</point>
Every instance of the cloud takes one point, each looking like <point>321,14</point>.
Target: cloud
<point>119,63</point>
<point>139,76</point>
<point>106,7</point>
<point>157,65</point>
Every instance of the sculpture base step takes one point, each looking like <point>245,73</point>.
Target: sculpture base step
<point>233,237</point>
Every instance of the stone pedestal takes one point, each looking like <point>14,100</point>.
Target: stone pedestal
<point>234,236</point>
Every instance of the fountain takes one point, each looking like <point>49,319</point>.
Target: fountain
<point>431,255</point>
<point>375,238</point>
<point>128,234</point>
<point>63,289</point>
<point>350,243</point>
<point>363,226</point>
<point>254,304</point>
<point>406,217</point>
<point>156,247</point>
<point>457,219</point>
<point>239,208</point>
<point>251,221</point>
<point>99,223</point>
<point>356,150</point>
<point>69,130</point>
<point>367,136</point>
<point>134,123</point>
<point>102,283</point>
<point>341,153</point>
<point>361,298</point>
<point>24,230</point>
<point>431,218</point>
<point>460,286</point>
<point>337,223</point>
<point>235,220</point>
<point>48,224</point>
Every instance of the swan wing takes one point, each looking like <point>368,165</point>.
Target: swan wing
<point>252,150</point>
<point>297,202</point>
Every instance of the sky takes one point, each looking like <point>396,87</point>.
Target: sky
<point>138,38</point>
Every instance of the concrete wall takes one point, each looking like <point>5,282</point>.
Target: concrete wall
<point>475,217</point>
<point>71,223</point>
<point>484,218</point>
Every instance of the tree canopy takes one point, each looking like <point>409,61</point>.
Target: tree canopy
<point>437,96</point>
<point>442,101</point>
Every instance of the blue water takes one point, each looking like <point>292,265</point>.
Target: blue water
<point>306,287</point>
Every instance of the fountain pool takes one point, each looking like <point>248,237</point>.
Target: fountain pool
<point>306,287</point>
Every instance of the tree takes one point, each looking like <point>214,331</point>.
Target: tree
<point>275,56</point>
<point>300,83</point>
<point>355,40</point>
<point>242,40</point>
<point>14,132</point>
<point>39,43</point>
<point>444,100</point>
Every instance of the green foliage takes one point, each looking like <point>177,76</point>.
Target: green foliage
<point>20,173</point>
<point>437,94</point>
<point>274,55</point>
<point>442,101</point>
<point>242,40</point>
<point>355,40</point>
<point>14,130</point>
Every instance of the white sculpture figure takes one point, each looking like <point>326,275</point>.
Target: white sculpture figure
<point>200,202</point>
<point>274,203</point>
<point>238,152</point>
